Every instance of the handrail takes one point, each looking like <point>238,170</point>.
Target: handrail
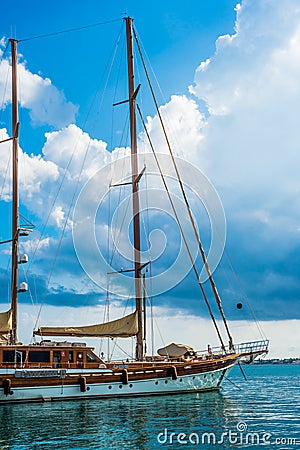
<point>244,347</point>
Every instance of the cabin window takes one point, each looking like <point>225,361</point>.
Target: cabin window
<point>11,356</point>
<point>38,356</point>
<point>90,357</point>
<point>71,356</point>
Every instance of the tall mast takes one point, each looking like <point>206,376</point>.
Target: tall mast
<point>15,199</point>
<point>135,191</point>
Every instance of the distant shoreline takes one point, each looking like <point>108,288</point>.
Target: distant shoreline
<point>277,361</point>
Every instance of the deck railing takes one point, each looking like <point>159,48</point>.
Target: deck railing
<point>244,347</point>
<point>252,347</point>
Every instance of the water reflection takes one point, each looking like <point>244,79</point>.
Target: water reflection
<point>114,423</point>
<point>267,402</point>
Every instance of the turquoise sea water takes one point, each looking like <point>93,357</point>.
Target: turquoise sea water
<point>264,413</point>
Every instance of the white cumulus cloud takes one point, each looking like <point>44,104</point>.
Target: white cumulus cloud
<point>47,105</point>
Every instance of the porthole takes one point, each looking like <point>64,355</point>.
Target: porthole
<point>156,382</point>
<point>88,388</point>
<point>193,378</point>
<point>166,381</point>
<point>131,385</point>
<point>120,386</point>
<point>180,380</point>
<point>109,387</point>
<point>204,376</point>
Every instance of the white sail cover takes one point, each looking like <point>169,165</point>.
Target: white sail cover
<point>5,321</point>
<point>125,327</point>
<point>174,350</point>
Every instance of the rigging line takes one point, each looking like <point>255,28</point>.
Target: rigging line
<point>161,337</point>
<point>122,350</point>
<point>233,293</point>
<point>182,233</point>
<point>51,271</point>
<point>125,127</point>
<point>5,176</point>
<point>242,289</point>
<point>150,297</point>
<point>116,241</point>
<point>5,279</point>
<point>106,310</point>
<point>146,233</point>
<point>54,201</point>
<point>137,37</point>
<point>69,30</point>
<point>50,210</point>
<point>149,300</point>
<point>243,373</point>
<point>115,95</point>
<point>107,78</point>
<point>59,244</point>
<point>124,139</point>
<point>64,176</point>
<point>234,384</point>
<point>107,301</point>
<point>145,223</point>
<point>213,286</point>
<point>63,230</point>
<point>4,92</point>
<point>4,51</point>
<point>262,334</point>
<point>34,304</point>
<point>147,215</point>
<point>252,368</point>
<point>124,312</point>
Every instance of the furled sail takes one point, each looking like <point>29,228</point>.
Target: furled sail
<point>5,321</point>
<point>125,327</point>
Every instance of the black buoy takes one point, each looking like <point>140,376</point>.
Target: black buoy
<point>239,305</point>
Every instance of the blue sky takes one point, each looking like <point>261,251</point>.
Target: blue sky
<point>229,77</point>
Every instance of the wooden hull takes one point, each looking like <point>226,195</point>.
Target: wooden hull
<point>137,382</point>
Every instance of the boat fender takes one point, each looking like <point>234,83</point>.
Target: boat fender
<point>124,376</point>
<point>173,372</point>
<point>7,387</point>
<point>82,384</point>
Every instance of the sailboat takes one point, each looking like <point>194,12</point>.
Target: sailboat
<point>50,370</point>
